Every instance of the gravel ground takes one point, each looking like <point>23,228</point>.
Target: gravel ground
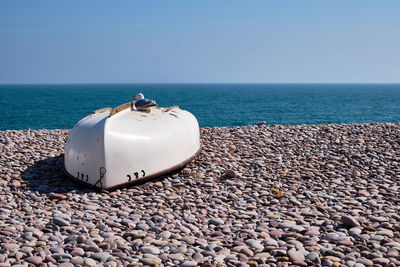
<point>304,195</point>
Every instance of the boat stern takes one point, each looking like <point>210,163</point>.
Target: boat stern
<point>84,153</point>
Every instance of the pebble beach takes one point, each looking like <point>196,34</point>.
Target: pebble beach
<point>268,195</point>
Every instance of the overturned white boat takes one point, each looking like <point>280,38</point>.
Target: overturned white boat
<point>129,144</point>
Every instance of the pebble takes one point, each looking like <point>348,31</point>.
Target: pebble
<point>59,256</point>
<point>177,256</point>
<point>189,264</point>
<point>216,221</point>
<point>34,260</point>
<point>365,261</point>
<point>230,173</point>
<point>349,221</point>
<point>110,264</point>
<point>246,251</point>
<point>77,260</point>
<point>60,221</point>
<point>149,261</point>
<point>150,250</point>
<point>89,262</point>
<point>77,252</point>
<point>313,256</point>
<point>295,256</point>
<point>102,256</point>
<point>381,261</point>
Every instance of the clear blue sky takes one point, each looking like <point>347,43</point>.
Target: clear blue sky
<point>199,41</point>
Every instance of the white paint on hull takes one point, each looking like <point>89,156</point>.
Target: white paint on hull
<point>130,145</point>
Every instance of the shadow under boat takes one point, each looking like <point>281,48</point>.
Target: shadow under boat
<point>48,176</point>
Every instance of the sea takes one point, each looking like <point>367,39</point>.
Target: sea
<point>61,106</point>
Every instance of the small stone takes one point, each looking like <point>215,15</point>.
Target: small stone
<point>93,248</point>
<point>364,261</point>
<point>261,123</point>
<point>172,197</point>
<point>34,260</point>
<point>189,264</point>
<point>385,232</point>
<point>90,207</point>
<point>186,171</point>
<point>313,256</point>
<point>101,256</point>
<point>369,228</point>
<point>56,250</point>
<point>40,244</point>
<point>60,222</point>
<point>355,231</point>
<point>57,195</point>
<point>77,260</point>
<point>50,259</point>
<point>89,262</point>
<point>230,173</point>
<point>165,235</point>
<point>276,233</point>
<point>150,261</point>
<point>364,193</point>
<point>77,252</point>
<point>150,249</point>
<point>345,243</point>
<point>158,184</point>
<point>278,194</point>
<point>128,223</point>
<point>381,261</point>
<point>256,245</point>
<point>246,251</point>
<point>59,256</point>
<point>159,242</point>
<point>332,258</point>
<point>16,183</point>
<point>349,221</point>
<point>176,256</point>
<point>295,256</point>
<point>216,221</point>
<point>110,264</point>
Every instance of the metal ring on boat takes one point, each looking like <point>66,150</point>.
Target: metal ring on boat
<point>102,171</point>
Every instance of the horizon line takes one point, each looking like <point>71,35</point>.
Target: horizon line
<point>178,83</point>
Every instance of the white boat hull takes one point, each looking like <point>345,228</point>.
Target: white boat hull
<point>130,146</point>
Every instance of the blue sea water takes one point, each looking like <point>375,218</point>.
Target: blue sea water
<point>61,106</point>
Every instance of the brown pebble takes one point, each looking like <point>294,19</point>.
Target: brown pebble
<point>230,174</point>
<point>349,220</point>
<point>59,196</point>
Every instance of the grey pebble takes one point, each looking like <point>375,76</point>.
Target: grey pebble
<point>110,264</point>
<point>101,256</point>
<point>150,250</point>
<point>60,221</point>
<point>176,256</point>
<point>89,262</point>
<point>189,264</point>
<point>216,221</point>
<point>59,256</point>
